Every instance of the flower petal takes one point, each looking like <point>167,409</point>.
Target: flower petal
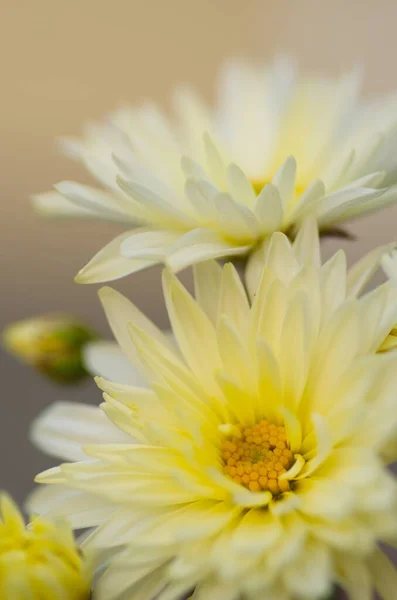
<point>107,360</point>
<point>65,427</point>
<point>108,264</point>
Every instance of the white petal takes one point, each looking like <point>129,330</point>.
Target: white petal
<point>158,210</point>
<point>324,446</point>
<point>311,572</point>
<point>280,258</point>
<point>256,532</point>
<point>269,209</point>
<point>120,312</point>
<point>207,283</point>
<point>239,186</point>
<point>388,320</point>
<point>81,509</point>
<point>191,169</point>
<point>385,198</point>
<point>307,203</point>
<point>324,499</point>
<point>64,428</point>
<point>285,180</point>
<point>362,271</point>
<point>339,206</point>
<point>372,180</point>
<point>254,269</point>
<point>107,360</point>
<point>307,244</point>
<point>235,219</point>
<point>193,330</point>
<point>333,284</point>
<point>201,194</point>
<point>221,212</point>
<point>233,301</point>
<point>149,245</point>
<point>108,264</point>
<point>135,170</point>
<point>55,206</point>
<point>199,245</point>
<point>389,265</point>
<point>294,356</point>
<point>215,163</point>
<point>98,201</point>
<point>140,583</point>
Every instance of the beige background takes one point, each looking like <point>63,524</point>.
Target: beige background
<point>65,62</point>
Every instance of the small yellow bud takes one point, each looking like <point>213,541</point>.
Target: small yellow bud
<point>52,344</point>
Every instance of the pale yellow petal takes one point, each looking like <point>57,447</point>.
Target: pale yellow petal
<point>108,264</point>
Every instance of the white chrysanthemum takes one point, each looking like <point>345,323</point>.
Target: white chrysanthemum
<point>254,466</point>
<point>217,182</point>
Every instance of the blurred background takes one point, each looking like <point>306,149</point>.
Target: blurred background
<point>63,63</point>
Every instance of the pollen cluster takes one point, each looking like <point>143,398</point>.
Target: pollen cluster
<point>255,457</point>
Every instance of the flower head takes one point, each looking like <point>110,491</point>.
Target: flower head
<point>218,182</point>
<point>254,466</point>
<point>52,344</point>
<point>41,561</point>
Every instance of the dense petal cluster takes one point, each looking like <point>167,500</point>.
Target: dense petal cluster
<point>295,366</point>
<point>216,182</point>
<point>41,561</point>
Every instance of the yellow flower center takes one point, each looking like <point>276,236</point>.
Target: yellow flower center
<point>255,457</point>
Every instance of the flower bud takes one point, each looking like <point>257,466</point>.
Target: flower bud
<point>52,344</point>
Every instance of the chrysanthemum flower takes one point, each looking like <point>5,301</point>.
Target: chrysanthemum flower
<point>255,464</point>
<point>39,562</point>
<point>217,182</point>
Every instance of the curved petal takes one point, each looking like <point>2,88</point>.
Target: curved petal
<point>149,244</point>
<point>97,201</point>
<point>199,245</point>
<point>81,509</point>
<point>64,428</point>
<point>107,360</point>
<point>120,312</point>
<point>108,264</point>
<point>55,206</point>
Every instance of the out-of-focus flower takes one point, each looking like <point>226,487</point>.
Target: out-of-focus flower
<point>254,466</point>
<point>218,181</point>
<point>40,561</point>
<point>52,344</point>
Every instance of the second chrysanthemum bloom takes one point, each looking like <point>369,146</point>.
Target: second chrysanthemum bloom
<point>40,561</point>
<point>254,464</point>
<point>217,182</point>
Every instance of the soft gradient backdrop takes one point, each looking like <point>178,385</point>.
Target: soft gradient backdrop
<point>66,62</point>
